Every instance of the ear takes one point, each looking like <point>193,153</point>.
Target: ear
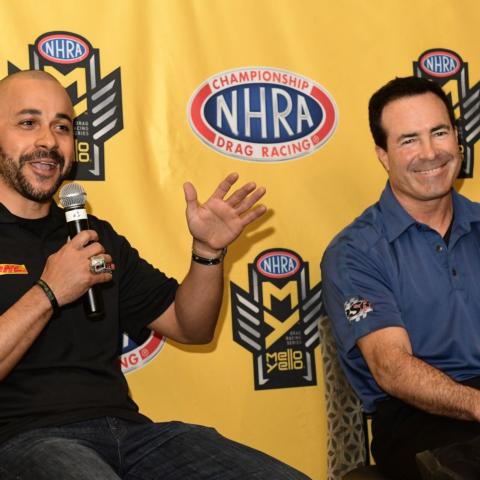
<point>383,157</point>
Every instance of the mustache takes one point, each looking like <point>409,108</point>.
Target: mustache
<point>422,164</point>
<point>42,154</point>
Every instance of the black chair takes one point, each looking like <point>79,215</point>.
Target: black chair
<point>368,472</point>
<point>348,449</point>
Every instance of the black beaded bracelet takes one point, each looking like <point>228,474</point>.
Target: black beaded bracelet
<point>48,292</point>
<point>209,261</point>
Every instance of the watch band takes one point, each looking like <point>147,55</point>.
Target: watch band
<point>209,261</point>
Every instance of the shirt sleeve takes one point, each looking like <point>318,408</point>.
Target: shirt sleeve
<point>359,291</point>
<point>144,292</point>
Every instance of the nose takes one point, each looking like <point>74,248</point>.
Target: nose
<point>428,150</point>
<point>46,138</point>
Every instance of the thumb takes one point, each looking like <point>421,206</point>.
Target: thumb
<point>190,197</point>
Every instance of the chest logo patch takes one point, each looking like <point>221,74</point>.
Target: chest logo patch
<point>12,269</point>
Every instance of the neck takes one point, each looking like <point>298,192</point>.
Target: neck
<point>436,213</point>
<point>20,206</point>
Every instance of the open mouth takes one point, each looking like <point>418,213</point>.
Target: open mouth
<point>44,165</point>
<point>431,171</point>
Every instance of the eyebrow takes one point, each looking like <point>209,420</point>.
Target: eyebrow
<point>442,126</point>
<point>34,111</point>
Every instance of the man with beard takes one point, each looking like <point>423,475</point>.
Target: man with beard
<point>401,286</point>
<point>65,411</point>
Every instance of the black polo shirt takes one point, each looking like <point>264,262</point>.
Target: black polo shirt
<point>72,371</point>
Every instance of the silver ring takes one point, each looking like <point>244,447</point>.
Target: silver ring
<point>98,265</point>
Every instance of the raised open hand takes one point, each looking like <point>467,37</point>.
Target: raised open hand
<point>219,221</point>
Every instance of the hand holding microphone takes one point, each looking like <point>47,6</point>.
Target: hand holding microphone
<point>83,249</point>
<point>68,271</point>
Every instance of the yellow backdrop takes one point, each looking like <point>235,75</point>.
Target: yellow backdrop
<point>165,50</point>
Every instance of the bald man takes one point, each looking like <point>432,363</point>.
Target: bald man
<point>65,411</point>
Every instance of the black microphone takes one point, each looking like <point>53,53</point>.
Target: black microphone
<point>73,199</point>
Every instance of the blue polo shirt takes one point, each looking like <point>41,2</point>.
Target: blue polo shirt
<point>386,269</point>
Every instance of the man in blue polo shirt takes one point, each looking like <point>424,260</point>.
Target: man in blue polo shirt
<point>401,286</point>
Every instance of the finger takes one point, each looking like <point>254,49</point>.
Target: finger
<point>249,201</point>
<point>94,248</point>
<point>224,186</point>
<point>83,238</point>
<point>106,257</point>
<point>190,196</point>
<point>103,277</point>
<point>238,195</point>
<point>99,264</point>
<point>252,215</point>
<point>247,198</point>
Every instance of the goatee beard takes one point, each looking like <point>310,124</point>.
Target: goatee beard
<point>14,177</point>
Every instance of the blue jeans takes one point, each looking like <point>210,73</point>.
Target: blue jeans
<point>111,449</point>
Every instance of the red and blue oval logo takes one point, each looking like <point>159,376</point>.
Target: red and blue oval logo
<point>136,356</point>
<point>63,48</point>
<point>262,114</point>
<point>278,264</point>
<point>440,63</point>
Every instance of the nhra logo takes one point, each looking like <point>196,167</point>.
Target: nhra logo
<point>279,264</point>
<point>136,356</point>
<point>262,114</point>
<point>439,63</point>
<point>277,320</point>
<point>97,101</point>
<point>447,68</point>
<point>63,48</point>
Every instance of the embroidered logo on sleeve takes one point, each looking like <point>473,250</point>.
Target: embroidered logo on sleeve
<point>12,269</point>
<point>356,309</point>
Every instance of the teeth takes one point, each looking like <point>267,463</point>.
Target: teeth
<point>44,165</point>
<point>429,171</point>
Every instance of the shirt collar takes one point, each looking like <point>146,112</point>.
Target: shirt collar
<point>397,220</point>
<point>56,213</point>
<point>465,212</point>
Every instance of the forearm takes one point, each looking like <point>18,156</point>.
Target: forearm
<point>427,388</point>
<point>198,301</point>
<point>20,325</point>
<point>214,225</point>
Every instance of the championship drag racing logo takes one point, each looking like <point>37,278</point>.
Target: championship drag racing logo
<point>276,320</point>
<point>262,114</point>
<point>447,68</point>
<point>97,101</point>
<point>135,356</point>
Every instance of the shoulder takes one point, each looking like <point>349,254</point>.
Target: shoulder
<point>107,234</point>
<point>468,207</point>
<point>466,213</point>
<point>360,236</point>
<point>96,222</point>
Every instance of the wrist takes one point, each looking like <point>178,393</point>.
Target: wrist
<point>211,258</point>
<point>49,294</point>
<point>202,249</point>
